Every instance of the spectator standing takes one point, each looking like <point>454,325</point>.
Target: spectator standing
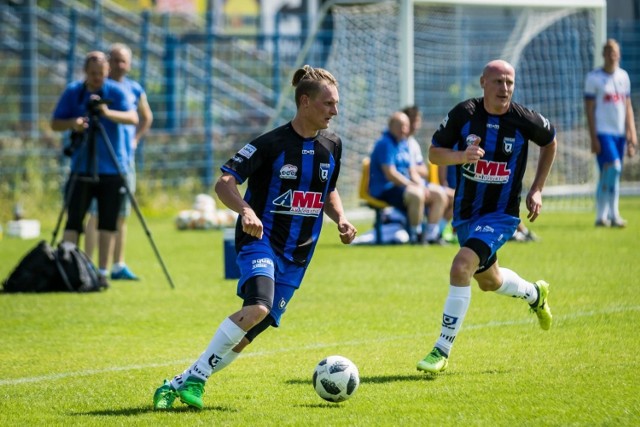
<point>120,57</point>
<point>80,106</point>
<point>611,122</point>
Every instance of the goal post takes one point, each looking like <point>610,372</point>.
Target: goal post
<point>390,54</point>
<point>599,8</point>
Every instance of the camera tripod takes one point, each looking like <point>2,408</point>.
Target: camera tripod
<point>89,144</point>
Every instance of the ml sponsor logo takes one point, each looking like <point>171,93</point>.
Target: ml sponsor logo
<point>487,172</point>
<point>304,203</point>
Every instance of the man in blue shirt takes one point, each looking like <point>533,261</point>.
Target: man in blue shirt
<point>394,178</point>
<point>94,170</point>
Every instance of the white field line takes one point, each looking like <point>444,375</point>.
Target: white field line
<point>90,372</point>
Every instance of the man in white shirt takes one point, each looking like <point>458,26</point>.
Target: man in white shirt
<point>611,127</point>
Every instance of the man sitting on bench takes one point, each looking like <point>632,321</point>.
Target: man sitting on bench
<point>395,180</point>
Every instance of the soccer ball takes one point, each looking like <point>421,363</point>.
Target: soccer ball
<point>336,379</point>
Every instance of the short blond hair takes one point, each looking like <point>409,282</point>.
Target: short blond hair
<point>308,81</point>
<point>120,47</point>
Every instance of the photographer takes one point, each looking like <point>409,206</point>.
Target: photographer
<point>95,167</point>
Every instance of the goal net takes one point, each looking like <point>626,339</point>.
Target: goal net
<point>551,47</point>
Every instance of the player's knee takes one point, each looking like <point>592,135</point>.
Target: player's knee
<point>258,294</point>
<point>254,314</point>
<point>462,269</point>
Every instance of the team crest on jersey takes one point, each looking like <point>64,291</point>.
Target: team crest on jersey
<point>288,172</point>
<point>304,203</point>
<point>247,151</point>
<point>473,139</point>
<point>507,145</point>
<point>487,172</point>
<point>324,171</point>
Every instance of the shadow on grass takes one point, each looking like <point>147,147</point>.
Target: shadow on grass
<point>380,379</point>
<point>141,410</point>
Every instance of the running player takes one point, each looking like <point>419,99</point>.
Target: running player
<point>292,173</point>
<point>492,136</point>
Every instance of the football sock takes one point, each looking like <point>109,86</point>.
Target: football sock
<point>433,231</point>
<point>442,224</point>
<point>455,308</point>
<point>117,266</point>
<point>103,272</point>
<point>226,337</point>
<point>225,361</point>
<point>613,184</point>
<point>516,287</point>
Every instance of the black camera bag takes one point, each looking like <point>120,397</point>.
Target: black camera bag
<point>44,269</point>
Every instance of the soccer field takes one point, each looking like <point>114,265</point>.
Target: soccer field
<point>96,359</point>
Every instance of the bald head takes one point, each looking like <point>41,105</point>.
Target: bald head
<point>399,125</point>
<point>498,66</point>
<point>498,82</point>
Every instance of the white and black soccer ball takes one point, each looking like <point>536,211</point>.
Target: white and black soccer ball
<point>336,379</point>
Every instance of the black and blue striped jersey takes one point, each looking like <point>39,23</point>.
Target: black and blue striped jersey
<point>288,179</point>
<point>494,183</point>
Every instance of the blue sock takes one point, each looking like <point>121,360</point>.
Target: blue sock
<point>612,183</point>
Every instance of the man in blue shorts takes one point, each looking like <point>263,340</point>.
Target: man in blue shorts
<point>488,138</point>
<point>292,173</point>
<point>94,171</point>
<point>607,102</point>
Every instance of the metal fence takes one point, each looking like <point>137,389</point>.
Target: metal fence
<point>210,93</point>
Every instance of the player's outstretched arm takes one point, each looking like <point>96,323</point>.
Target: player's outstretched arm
<point>334,210</point>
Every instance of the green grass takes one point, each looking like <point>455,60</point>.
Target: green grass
<point>68,359</point>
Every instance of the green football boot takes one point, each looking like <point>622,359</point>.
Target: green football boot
<point>164,396</point>
<point>191,392</point>
<point>435,362</point>
<point>541,306</point>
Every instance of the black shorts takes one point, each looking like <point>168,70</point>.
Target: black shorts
<point>107,190</point>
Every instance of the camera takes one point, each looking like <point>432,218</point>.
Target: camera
<point>93,105</point>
